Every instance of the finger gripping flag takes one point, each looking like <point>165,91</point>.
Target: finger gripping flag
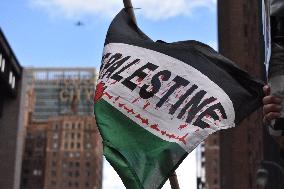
<point>156,101</point>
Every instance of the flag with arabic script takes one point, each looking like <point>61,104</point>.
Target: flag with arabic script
<point>156,101</point>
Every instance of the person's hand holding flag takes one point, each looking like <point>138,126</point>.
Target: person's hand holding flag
<point>271,111</point>
<point>271,106</point>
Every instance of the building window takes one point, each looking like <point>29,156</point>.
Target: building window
<point>53,183</point>
<point>53,173</point>
<point>55,136</point>
<point>64,165</point>
<point>10,77</point>
<point>37,172</point>
<point>88,164</point>
<point>66,126</point>
<point>66,154</point>
<point>67,135</point>
<point>39,144</point>
<point>71,155</point>
<point>70,183</point>
<point>0,60</point>
<point>55,145</point>
<point>13,82</point>
<point>78,135</point>
<point>215,181</point>
<point>53,163</point>
<point>76,184</point>
<point>64,183</point>
<point>77,154</point>
<point>3,65</point>
<point>78,145</point>
<point>88,145</point>
<point>65,174</point>
<point>72,145</point>
<point>88,126</point>
<point>77,164</point>
<point>88,135</point>
<point>55,126</point>
<point>87,184</point>
<point>77,174</point>
<point>65,145</point>
<point>72,135</point>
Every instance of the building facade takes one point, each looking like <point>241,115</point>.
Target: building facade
<point>34,158</point>
<point>12,87</point>
<point>73,153</point>
<point>62,136</point>
<point>57,89</point>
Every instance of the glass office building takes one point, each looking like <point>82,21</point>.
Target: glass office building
<point>62,91</point>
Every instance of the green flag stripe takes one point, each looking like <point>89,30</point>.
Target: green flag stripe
<point>133,151</point>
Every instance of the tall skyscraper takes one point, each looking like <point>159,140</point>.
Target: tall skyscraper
<point>62,136</point>
<point>242,149</point>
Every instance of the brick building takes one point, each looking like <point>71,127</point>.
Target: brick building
<point>62,137</point>
<point>34,156</point>
<point>73,153</point>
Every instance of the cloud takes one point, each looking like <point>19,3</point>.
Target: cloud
<point>151,9</point>
<point>159,10</point>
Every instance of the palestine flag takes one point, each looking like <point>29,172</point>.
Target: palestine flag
<point>156,101</point>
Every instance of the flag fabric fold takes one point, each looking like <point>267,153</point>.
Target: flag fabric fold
<point>156,101</point>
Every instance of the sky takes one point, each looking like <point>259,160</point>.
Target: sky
<point>43,33</point>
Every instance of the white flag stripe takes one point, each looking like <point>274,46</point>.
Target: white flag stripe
<point>168,127</point>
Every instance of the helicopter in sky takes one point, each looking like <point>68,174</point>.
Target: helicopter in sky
<point>79,23</point>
